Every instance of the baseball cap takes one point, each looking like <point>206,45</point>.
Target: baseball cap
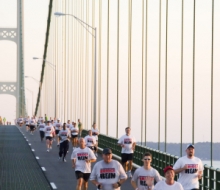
<point>167,168</point>
<point>190,146</point>
<point>107,151</point>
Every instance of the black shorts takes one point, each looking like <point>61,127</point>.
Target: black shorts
<point>27,125</point>
<point>126,157</point>
<point>49,138</point>
<point>74,136</point>
<point>32,127</point>
<point>57,132</point>
<point>85,176</point>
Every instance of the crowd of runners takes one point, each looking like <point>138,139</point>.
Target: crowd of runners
<point>109,174</point>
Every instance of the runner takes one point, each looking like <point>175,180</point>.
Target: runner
<point>41,130</point>
<point>189,168</point>
<point>95,133</point>
<point>81,159</point>
<point>68,125</point>
<point>145,176</point>
<point>27,123</point>
<point>32,125</point>
<point>64,136</point>
<point>58,126</point>
<point>90,141</point>
<point>74,134</point>
<point>108,174</point>
<point>49,135</point>
<point>80,127</point>
<point>169,183</point>
<point>127,142</point>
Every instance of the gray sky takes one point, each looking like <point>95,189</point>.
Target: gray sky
<point>35,18</point>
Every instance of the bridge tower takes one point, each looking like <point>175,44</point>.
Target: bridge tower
<point>16,88</point>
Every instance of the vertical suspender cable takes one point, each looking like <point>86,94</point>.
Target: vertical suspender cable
<point>212,54</point>
<point>71,65</point>
<point>93,63</point>
<point>100,61</point>
<point>118,29</point>
<point>193,72</point>
<point>107,70</point>
<point>181,98</point>
<point>129,60</point>
<point>165,149</point>
<point>146,31</point>
<point>159,74</point>
<point>142,89</point>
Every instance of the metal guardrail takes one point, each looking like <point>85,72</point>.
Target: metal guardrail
<point>211,176</point>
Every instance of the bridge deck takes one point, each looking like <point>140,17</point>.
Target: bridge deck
<point>18,167</point>
<point>27,173</point>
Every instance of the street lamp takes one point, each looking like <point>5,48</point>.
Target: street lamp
<point>94,36</point>
<point>32,78</point>
<point>55,70</point>
<point>32,99</point>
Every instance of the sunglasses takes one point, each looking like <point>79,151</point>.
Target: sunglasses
<point>147,159</point>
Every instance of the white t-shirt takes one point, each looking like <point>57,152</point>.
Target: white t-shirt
<point>162,185</point>
<point>81,155</point>
<point>95,133</point>
<point>127,141</point>
<point>48,130</point>
<point>74,130</point>
<point>41,126</point>
<point>141,174</point>
<point>27,121</point>
<point>64,134</point>
<point>189,177</point>
<point>108,173</point>
<point>90,140</point>
<point>58,126</point>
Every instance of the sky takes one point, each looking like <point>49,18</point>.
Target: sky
<point>35,20</point>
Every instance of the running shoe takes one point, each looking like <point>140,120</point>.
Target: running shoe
<point>59,158</point>
<point>64,160</point>
<point>48,150</point>
<point>51,147</point>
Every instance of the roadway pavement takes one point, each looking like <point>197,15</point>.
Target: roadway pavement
<point>60,174</point>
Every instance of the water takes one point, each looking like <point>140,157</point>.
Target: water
<point>216,164</point>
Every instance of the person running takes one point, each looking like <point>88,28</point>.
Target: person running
<point>108,173</point>
<point>0,120</point>
<point>41,130</point>
<point>49,130</point>
<point>58,126</point>
<point>127,142</point>
<point>80,127</point>
<point>4,120</point>
<point>68,125</point>
<point>45,118</point>
<point>32,125</point>
<point>189,168</point>
<point>168,183</point>
<point>82,157</point>
<point>74,134</point>
<point>90,141</point>
<point>95,133</point>
<point>27,123</point>
<point>145,176</point>
<point>64,136</point>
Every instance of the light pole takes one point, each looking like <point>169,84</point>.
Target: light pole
<point>55,82</point>
<point>32,78</point>
<point>94,36</point>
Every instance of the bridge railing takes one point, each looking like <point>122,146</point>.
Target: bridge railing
<point>211,176</point>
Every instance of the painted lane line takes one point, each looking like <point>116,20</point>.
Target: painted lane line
<point>53,185</point>
<point>43,168</point>
<point>33,150</point>
<point>29,144</point>
<point>37,157</point>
